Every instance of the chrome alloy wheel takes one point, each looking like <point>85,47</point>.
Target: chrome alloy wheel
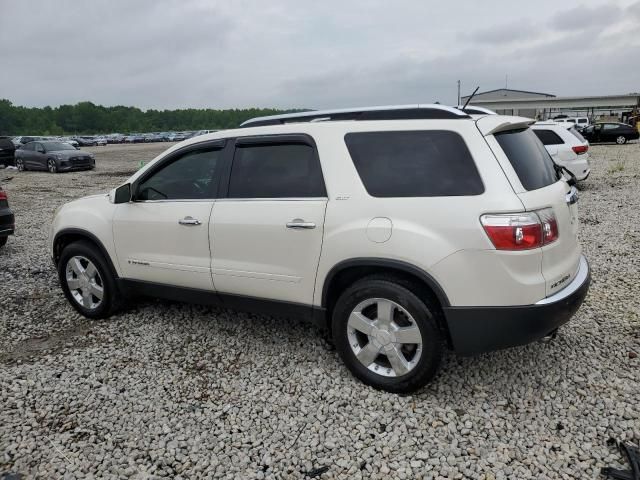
<point>621,140</point>
<point>84,282</point>
<point>384,337</point>
<point>20,164</point>
<point>51,166</point>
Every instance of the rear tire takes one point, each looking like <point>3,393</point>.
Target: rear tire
<point>87,281</point>
<point>400,358</point>
<point>3,241</point>
<point>621,140</point>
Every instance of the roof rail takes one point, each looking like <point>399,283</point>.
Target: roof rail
<point>388,112</point>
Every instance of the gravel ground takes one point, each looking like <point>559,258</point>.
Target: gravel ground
<point>166,390</point>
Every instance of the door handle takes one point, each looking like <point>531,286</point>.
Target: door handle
<point>299,224</point>
<point>190,221</point>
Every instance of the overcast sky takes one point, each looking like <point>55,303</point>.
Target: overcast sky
<point>304,53</point>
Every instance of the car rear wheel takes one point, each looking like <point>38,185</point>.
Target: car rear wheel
<point>87,281</point>
<point>20,165</point>
<point>386,335</point>
<point>621,140</point>
<point>3,241</point>
<point>52,166</point>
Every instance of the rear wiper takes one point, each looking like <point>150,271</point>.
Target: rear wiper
<point>561,169</point>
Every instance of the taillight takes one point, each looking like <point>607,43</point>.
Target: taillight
<point>580,149</point>
<point>521,231</point>
<point>3,195</point>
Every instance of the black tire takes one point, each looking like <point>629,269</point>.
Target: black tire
<point>621,140</point>
<point>423,313</point>
<point>20,165</point>
<point>3,241</point>
<point>52,166</point>
<point>111,299</point>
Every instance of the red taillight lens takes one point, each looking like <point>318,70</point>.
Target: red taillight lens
<point>521,231</point>
<point>3,195</point>
<point>580,149</point>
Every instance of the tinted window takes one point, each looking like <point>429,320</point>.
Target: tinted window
<point>529,158</point>
<point>194,175</point>
<point>609,126</point>
<point>548,137</point>
<point>577,134</point>
<point>276,171</point>
<point>28,146</point>
<point>414,164</point>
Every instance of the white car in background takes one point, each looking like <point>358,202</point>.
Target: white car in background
<point>579,122</point>
<point>566,146</point>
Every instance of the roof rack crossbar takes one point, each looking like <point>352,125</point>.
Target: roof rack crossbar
<point>392,112</point>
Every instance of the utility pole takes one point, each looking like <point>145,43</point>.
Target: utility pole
<point>458,93</point>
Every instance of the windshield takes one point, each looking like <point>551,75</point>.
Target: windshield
<point>529,158</point>
<point>57,146</point>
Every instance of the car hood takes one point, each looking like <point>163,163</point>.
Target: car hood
<point>70,153</point>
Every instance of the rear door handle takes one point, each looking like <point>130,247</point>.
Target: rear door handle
<point>299,224</point>
<point>190,221</point>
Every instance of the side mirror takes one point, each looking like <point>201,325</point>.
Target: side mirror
<point>122,194</point>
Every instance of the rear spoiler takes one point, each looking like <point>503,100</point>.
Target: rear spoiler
<point>491,124</point>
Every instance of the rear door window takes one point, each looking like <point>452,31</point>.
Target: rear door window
<point>529,158</point>
<point>430,163</point>
<point>548,137</point>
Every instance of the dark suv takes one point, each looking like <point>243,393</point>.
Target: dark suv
<point>7,151</point>
<point>7,220</point>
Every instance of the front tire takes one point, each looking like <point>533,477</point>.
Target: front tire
<point>386,335</point>
<point>621,140</point>
<point>20,165</point>
<point>87,280</point>
<point>52,166</point>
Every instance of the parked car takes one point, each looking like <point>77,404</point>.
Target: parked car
<point>566,146</point>
<point>7,220</point>
<point>86,141</point>
<point>620,133</point>
<point>54,157</point>
<point>399,230</point>
<point>69,140</point>
<point>16,142</point>
<point>134,138</point>
<point>115,138</point>
<point>7,151</point>
<point>101,141</point>
<point>25,140</point>
<point>579,122</point>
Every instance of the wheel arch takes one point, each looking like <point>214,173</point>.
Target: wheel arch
<point>349,271</point>
<point>67,236</point>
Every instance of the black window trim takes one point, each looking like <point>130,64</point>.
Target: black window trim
<point>274,139</point>
<point>364,187</point>
<point>217,144</point>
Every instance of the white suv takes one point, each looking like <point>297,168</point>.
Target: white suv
<point>566,146</point>
<point>400,229</point>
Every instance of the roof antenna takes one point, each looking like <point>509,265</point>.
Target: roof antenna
<point>470,97</point>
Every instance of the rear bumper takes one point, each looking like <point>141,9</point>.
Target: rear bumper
<point>7,222</point>
<point>475,330</point>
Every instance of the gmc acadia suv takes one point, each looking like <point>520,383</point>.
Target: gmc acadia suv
<point>400,229</point>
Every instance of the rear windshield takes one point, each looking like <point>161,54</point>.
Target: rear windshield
<point>576,134</point>
<point>529,158</point>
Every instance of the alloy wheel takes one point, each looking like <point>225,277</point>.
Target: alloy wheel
<point>20,165</point>
<point>51,165</point>
<point>84,282</point>
<point>621,140</point>
<point>384,337</point>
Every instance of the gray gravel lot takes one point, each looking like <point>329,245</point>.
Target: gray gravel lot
<point>166,390</point>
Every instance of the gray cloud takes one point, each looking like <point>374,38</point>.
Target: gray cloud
<point>286,53</point>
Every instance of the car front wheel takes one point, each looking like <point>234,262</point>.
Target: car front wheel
<point>87,281</point>
<point>52,166</point>
<point>386,335</point>
<point>20,165</point>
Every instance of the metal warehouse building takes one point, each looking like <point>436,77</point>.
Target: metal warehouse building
<point>545,105</point>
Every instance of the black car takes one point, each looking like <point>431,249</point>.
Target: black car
<point>620,133</point>
<point>7,151</point>
<point>86,141</point>
<point>54,157</point>
<point>7,220</point>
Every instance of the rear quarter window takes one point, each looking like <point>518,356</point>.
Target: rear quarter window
<point>430,163</point>
<point>548,137</point>
<point>529,158</point>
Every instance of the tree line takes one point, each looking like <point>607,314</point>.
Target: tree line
<point>88,118</point>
